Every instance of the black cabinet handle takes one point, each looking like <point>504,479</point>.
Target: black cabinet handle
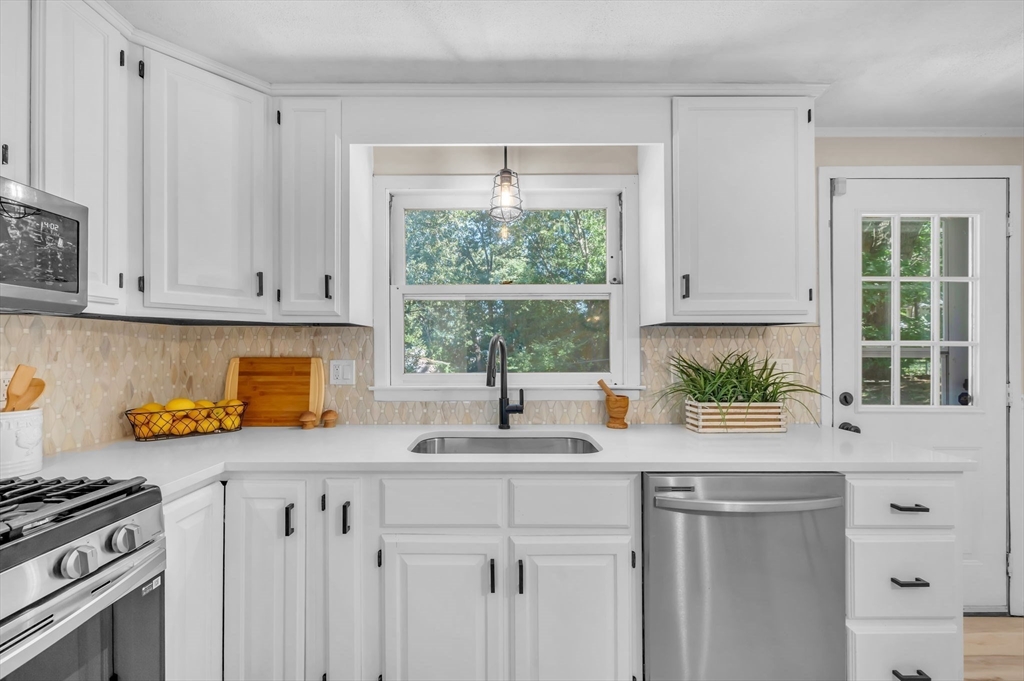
<point>919,676</point>
<point>685,285</point>
<point>916,508</point>
<point>259,284</point>
<point>327,287</point>
<point>520,576</point>
<point>3,154</point>
<point>918,582</point>
<point>344,517</point>
<point>288,529</point>
<point>492,575</point>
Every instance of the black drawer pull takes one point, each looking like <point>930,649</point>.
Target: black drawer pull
<point>288,529</point>
<point>344,517</point>
<point>918,582</point>
<point>520,576</point>
<point>916,508</point>
<point>492,575</point>
<point>259,284</point>
<point>327,287</point>
<point>919,676</point>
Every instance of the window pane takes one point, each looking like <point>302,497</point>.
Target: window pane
<point>452,336</point>
<point>876,248</point>
<point>955,247</point>
<point>876,375</point>
<point>955,311</point>
<point>915,376</point>
<point>470,247</point>
<point>876,315</point>
<point>915,311</point>
<point>955,376</point>
<point>915,247</point>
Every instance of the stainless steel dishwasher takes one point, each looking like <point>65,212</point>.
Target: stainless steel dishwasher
<point>744,577</point>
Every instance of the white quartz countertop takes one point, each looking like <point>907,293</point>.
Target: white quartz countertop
<point>179,466</point>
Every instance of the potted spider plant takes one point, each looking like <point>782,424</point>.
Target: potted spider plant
<point>736,393</point>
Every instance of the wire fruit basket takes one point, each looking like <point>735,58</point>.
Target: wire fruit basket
<point>169,424</point>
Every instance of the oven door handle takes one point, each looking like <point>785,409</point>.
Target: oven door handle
<point>42,625</point>
<point>781,506</point>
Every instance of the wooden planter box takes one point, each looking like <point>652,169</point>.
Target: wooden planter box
<point>755,417</point>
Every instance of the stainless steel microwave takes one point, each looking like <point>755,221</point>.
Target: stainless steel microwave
<point>44,251</point>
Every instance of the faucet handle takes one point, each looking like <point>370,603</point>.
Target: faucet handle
<point>517,408</point>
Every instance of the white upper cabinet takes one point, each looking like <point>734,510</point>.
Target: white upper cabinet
<point>82,144</point>
<point>310,228</point>
<point>743,196</point>
<point>206,195</point>
<point>15,27</point>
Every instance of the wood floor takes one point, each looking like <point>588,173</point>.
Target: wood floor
<point>994,648</point>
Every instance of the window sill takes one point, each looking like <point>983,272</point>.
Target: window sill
<point>581,393</point>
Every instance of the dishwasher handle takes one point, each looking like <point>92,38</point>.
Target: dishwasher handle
<point>773,506</point>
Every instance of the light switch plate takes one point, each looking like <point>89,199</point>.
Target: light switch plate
<point>343,372</point>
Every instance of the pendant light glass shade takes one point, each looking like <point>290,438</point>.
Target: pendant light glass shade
<point>506,203</point>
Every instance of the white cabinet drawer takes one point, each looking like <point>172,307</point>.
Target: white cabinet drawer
<point>874,560</point>
<point>441,502</point>
<point>871,503</point>
<point>571,503</point>
<point>875,650</point>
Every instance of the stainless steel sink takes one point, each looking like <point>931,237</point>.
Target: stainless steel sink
<point>474,443</point>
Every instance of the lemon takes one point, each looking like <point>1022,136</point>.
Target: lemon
<point>143,430</point>
<point>161,423</point>
<point>152,406</point>
<point>183,427</point>
<point>208,425</point>
<point>205,411</point>
<point>231,422</point>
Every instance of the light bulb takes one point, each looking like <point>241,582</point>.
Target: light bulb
<point>506,195</point>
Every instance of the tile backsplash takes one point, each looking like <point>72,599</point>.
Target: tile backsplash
<point>96,369</point>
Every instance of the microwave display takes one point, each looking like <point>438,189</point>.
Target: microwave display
<point>38,249</point>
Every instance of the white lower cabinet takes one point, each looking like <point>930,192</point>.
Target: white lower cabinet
<point>572,604</point>
<point>443,607</point>
<point>194,527</point>
<point>877,650</point>
<point>264,585</point>
<point>343,560</point>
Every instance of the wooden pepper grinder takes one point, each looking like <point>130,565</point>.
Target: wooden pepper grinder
<point>618,406</point>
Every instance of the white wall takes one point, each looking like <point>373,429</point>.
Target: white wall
<point>478,160</point>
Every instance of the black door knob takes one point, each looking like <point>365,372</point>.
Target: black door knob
<point>964,399</point>
<point>846,399</point>
<point>845,425</point>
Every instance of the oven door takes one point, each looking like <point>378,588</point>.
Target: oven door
<point>110,623</point>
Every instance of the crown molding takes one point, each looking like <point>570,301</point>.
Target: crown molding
<point>547,89</point>
<point>918,132</point>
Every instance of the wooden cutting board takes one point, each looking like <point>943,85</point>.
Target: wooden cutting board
<point>278,389</point>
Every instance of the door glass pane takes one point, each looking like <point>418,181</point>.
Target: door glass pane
<point>915,375</point>
<point>915,247</point>
<point>876,311</point>
<point>955,311</point>
<point>915,311</point>
<point>451,336</point>
<point>955,376</point>
<point>954,247</point>
<point>876,253</point>
<point>876,375</point>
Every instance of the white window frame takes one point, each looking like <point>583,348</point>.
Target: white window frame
<point>394,194</point>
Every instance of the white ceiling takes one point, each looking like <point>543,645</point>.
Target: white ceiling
<point>895,63</point>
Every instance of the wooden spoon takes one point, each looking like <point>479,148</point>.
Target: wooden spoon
<point>35,389</point>
<point>606,389</point>
<point>19,384</point>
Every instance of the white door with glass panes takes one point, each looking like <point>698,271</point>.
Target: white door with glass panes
<point>920,339</point>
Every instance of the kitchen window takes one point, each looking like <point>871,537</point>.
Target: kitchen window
<point>554,284</point>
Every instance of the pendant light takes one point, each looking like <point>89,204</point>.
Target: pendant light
<point>506,203</point>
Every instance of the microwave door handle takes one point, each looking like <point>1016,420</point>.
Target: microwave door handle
<point>773,506</point>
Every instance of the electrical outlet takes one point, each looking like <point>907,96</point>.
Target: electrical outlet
<point>5,380</point>
<point>343,372</point>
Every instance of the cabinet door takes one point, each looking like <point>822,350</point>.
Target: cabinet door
<point>264,583</point>
<point>15,27</point>
<point>744,209</point>
<point>442,618</point>
<point>206,196</point>
<point>573,608</point>
<point>194,526</point>
<point>310,179</point>
<point>345,557</point>
<point>82,145</point>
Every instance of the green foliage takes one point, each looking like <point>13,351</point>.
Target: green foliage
<point>914,298</point>
<point>735,378</point>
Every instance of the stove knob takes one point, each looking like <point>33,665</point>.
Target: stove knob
<point>79,561</point>
<point>126,538</point>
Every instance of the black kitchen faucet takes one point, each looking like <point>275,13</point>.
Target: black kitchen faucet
<point>504,408</point>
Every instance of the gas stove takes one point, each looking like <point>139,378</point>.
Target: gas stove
<point>53,532</point>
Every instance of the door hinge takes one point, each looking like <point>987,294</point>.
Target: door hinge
<point>808,115</point>
<point>122,58</point>
<point>1009,395</point>
<point>142,69</point>
<point>1009,566</point>
<point>120,280</point>
<point>142,284</point>
<point>1009,232</point>
<point>279,118</point>
<point>323,502</point>
<point>634,558</point>
<point>838,186</point>
<point>380,557</point>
